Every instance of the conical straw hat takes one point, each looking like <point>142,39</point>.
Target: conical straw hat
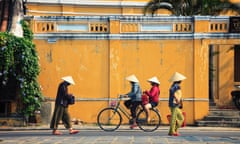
<point>132,78</point>
<point>154,80</point>
<point>177,77</point>
<point>68,79</point>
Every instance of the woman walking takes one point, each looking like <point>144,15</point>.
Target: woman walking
<point>61,107</point>
<point>175,96</point>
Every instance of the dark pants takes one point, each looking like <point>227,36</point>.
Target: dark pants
<point>132,105</point>
<point>60,113</point>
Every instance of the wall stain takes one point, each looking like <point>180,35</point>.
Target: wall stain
<point>49,56</point>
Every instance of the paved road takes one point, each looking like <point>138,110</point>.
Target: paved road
<point>93,135</point>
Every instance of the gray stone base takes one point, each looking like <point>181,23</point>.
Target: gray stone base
<point>46,112</point>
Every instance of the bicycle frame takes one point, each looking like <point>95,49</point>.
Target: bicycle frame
<point>121,109</point>
<point>110,118</point>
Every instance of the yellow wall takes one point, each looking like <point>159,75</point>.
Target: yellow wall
<point>83,59</point>
<point>89,8</point>
<point>226,74</point>
<point>88,61</point>
<point>99,61</point>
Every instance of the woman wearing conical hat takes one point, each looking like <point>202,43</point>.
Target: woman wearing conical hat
<point>61,107</point>
<point>135,98</point>
<point>153,95</point>
<point>175,96</point>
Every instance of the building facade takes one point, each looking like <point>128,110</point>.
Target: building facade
<point>100,43</point>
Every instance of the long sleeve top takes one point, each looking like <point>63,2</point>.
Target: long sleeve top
<point>62,95</point>
<point>135,93</point>
<point>153,94</point>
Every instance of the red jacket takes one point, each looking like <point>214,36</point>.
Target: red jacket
<point>153,94</point>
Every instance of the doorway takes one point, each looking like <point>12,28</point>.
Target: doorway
<point>212,73</point>
<point>223,72</point>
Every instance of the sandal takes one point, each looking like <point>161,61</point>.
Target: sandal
<point>56,133</point>
<point>133,126</point>
<point>74,132</point>
<point>174,134</point>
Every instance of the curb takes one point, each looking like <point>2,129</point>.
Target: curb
<point>122,127</point>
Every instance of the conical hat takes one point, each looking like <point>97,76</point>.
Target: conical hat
<point>68,79</point>
<point>177,77</point>
<point>154,80</point>
<point>132,78</point>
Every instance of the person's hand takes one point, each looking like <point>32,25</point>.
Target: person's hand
<point>70,95</point>
<point>123,96</point>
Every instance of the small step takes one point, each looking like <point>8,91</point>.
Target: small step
<point>218,123</point>
<point>222,118</point>
<point>224,112</point>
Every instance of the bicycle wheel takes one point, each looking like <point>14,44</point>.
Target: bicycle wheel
<point>109,119</point>
<point>153,124</point>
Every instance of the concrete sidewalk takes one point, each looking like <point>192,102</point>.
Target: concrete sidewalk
<point>92,134</point>
<point>122,127</point>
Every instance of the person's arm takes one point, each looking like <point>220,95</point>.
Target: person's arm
<point>65,91</point>
<point>134,90</point>
<point>178,96</point>
<point>153,91</point>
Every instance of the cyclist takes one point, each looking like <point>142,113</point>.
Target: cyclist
<point>153,95</point>
<point>135,98</point>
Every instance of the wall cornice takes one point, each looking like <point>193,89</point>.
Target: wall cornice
<point>131,27</point>
<point>92,2</point>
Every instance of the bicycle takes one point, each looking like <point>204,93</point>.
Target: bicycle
<point>110,118</point>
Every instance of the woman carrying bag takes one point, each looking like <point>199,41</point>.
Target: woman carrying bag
<point>175,99</point>
<point>61,107</point>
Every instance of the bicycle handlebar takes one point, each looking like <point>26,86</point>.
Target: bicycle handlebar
<point>123,96</point>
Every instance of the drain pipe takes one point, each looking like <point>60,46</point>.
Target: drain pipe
<point>11,7</point>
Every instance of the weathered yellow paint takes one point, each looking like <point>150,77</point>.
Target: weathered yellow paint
<point>131,11</point>
<point>200,77</point>
<point>226,81</point>
<point>85,62</point>
<point>201,26</point>
<point>114,60</point>
<point>198,111</point>
<point>86,111</point>
<point>114,27</point>
<point>99,66</point>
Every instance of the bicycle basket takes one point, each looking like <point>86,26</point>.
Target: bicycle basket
<point>113,103</point>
